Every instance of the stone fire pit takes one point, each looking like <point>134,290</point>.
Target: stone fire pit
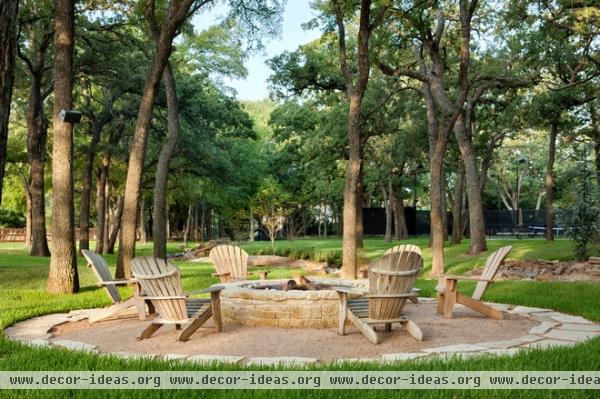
<point>269,304</point>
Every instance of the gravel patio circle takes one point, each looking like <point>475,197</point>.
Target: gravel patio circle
<point>467,334</point>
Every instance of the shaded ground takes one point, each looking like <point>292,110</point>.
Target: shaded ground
<point>325,344</point>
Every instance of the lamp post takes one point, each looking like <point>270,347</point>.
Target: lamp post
<point>518,216</point>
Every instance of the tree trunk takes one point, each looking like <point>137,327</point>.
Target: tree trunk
<point>459,193</point>
<point>116,222</point>
<point>550,182</point>
<point>9,10</point>
<point>438,138</point>
<point>195,223</point>
<point>350,245</point>
<point>325,221</point>
<point>101,206</point>
<point>595,136</point>
<point>63,277</point>
<point>473,187</point>
<point>159,232</point>
<point>142,223</point>
<point>359,206</point>
<point>37,133</point>
<point>176,15</point>
<point>188,225</point>
<point>39,242</point>
<point>400,229</point>
<point>86,187</point>
<point>388,212</point>
<point>27,216</point>
<point>355,89</point>
<point>597,153</point>
<point>108,215</point>
<point>444,195</point>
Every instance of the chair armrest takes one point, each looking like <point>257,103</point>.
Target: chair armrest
<point>466,278</point>
<point>215,288</point>
<point>220,274</point>
<point>123,281</point>
<point>348,290</point>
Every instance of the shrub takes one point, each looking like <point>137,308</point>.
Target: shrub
<point>10,218</point>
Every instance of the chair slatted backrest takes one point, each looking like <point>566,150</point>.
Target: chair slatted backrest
<point>391,280</point>
<point>100,268</point>
<point>230,259</point>
<point>403,248</point>
<point>492,264</point>
<point>161,281</point>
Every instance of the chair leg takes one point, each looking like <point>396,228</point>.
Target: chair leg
<point>440,303</point>
<point>148,331</point>
<point>367,330</point>
<point>479,307</point>
<point>195,324</point>
<point>151,307</point>
<point>343,309</point>
<point>449,298</point>
<point>178,326</point>
<point>388,327</point>
<point>114,310</point>
<point>140,306</point>
<point>216,309</point>
<point>140,303</point>
<point>449,301</point>
<point>413,330</point>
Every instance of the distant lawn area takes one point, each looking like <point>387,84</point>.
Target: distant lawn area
<point>23,282</point>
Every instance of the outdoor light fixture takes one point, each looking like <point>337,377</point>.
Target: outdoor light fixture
<point>70,116</point>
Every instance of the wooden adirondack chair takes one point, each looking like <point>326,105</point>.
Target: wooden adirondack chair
<point>161,281</point>
<point>407,248</point>
<point>391,280</point>
<point>231,263</point>
<point>448,294</point>
<point>105,280</point>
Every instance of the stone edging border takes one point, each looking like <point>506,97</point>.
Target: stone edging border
<point>555,329</point>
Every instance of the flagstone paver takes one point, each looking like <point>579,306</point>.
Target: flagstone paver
<point>507,351</point>
<point>392,357</point>
<point>38,342</point>
<point>526,309</point>
<point>543,327</point>
<point>133,356</point>
<point>571,335</point>
<point>74,345</point>
<point>175,356</point>
<point>359,360</point>
<point>455,348</point>
<point>529,338</point>
<point>281,360</point>
<point>504,344</point>
<point>548,343</point>
<point>568,319</point>
<point>214,358</point>
<point>580,327</point>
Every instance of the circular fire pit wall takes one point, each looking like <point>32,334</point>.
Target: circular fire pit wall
<point>268,304</point>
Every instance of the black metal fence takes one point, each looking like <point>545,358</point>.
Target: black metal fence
<point>498,222</point>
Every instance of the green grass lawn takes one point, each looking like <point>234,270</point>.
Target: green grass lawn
<point>23,281</point>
